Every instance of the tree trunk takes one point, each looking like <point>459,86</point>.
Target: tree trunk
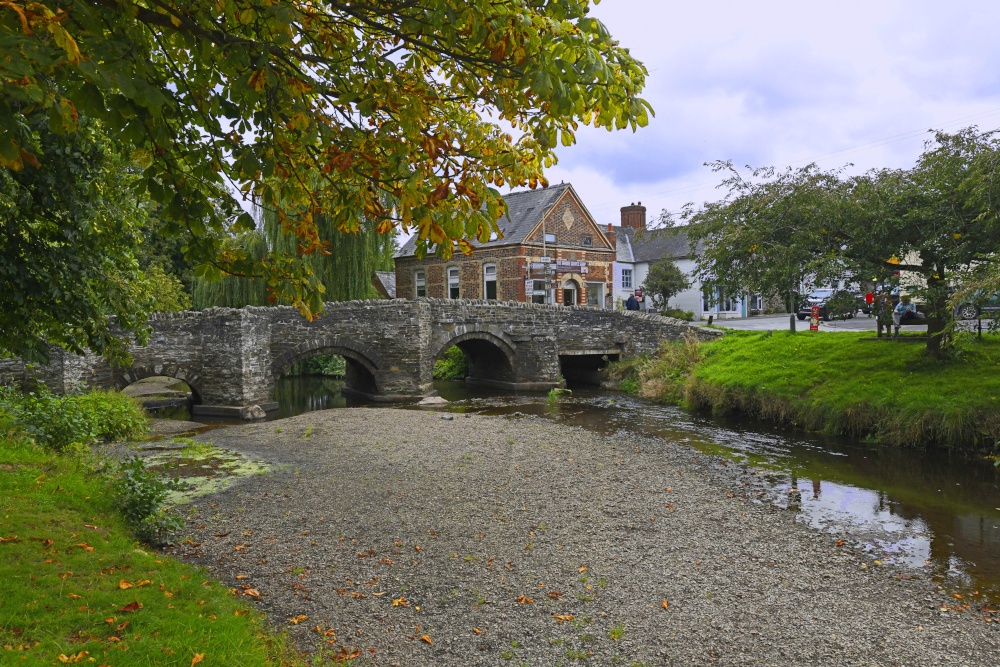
<point>937,311</point>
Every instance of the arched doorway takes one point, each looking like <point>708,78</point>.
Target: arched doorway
<point>570,292</point>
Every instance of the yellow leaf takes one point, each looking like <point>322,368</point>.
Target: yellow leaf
<point>477,631</point>
<point>562,618</point>
<point>124,585</point>
<point>198,657</point>
<point>426,638</point>
<point>665,604</point>
<point>583,568</point>
<point>524,599</point>
<point>295,620</point>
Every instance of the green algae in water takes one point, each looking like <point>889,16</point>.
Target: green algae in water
<point>202,469</point>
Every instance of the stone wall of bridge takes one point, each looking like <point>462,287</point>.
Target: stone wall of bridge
<point>231,357</point>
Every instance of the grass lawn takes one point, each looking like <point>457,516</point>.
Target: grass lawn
<point>76,587</point>
<point>885,389</point>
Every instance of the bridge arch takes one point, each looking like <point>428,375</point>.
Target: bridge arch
<point>488,350</point>
<point>122,378</point>
<point>363,363</point>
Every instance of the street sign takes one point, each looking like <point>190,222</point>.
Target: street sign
<point>814,318</point>
<point>638,292</point>
<point>545,260</point>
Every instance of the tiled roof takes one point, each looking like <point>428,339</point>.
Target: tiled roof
<point>385,283</point>
<point>524,211</point>
<point>650,245</point>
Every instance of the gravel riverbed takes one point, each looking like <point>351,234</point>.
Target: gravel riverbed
<point>411,538</point>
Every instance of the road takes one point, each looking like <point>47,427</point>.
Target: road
<point>780,323</point>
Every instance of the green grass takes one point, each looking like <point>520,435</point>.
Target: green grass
<point>889,391</point>
<point>71,569</point>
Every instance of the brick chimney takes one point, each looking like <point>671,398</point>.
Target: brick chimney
<point>634,216</point>
<point>612,237</point>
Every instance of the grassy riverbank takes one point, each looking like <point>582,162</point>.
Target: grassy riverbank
<point>79,588</point>
<point>887,391</point>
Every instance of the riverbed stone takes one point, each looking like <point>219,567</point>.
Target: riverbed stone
<point>519,541</point>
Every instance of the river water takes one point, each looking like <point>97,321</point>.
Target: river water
<point>915,511</point>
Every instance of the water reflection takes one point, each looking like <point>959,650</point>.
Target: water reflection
<point>912,509</point>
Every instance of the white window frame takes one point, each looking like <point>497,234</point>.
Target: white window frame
<point>457,283</point>
<point>419,283</point>
<point>626,278</point>
<point>487,272</point>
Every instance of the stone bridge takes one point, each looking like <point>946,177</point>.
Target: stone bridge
<point>232,357</point>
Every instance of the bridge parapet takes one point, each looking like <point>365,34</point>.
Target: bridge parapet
<point>231,357</point>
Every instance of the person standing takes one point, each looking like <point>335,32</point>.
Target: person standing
<point>631,303</point>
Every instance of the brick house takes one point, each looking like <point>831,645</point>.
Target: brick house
<point>550,223</point>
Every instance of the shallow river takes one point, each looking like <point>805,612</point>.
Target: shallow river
<point>925,512</point>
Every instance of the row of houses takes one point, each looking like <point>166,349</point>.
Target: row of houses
<point>552,250</point>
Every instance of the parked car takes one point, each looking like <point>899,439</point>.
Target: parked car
<point>978,304</point>
<point>832,303</point>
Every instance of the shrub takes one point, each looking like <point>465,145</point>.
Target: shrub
<point>331,365</point>
<point>679,314</point>
<point>61,422</point>
<point>118,416</point>
<point>140,494</point>
<point>451,366</point>
<point>56,422</point>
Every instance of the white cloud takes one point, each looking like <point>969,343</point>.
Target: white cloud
<point>780,82</point>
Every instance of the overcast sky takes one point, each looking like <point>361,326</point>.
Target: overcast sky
<point>776,82</point>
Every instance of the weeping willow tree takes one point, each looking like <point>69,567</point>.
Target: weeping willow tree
<point>345,269</point>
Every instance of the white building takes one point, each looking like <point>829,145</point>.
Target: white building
<point>639,247</point>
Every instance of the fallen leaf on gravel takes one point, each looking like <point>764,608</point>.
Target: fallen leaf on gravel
<point>523,599</point>
<point>252,593</point>
<point>130,607</point>
<point>840,543</point>
<point>221,534</point>
<point>241,576</point>
<point>399,602</point>
<point>555,595</point>
<point>295,620</point>
<point>198,657</point>
<point>583,568</point>
<point>562,618</point>
<point>426,638</point>
<point>477,631</point>
<point>358,596</point>
<point>416,547</point>
<point>665,604</point>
